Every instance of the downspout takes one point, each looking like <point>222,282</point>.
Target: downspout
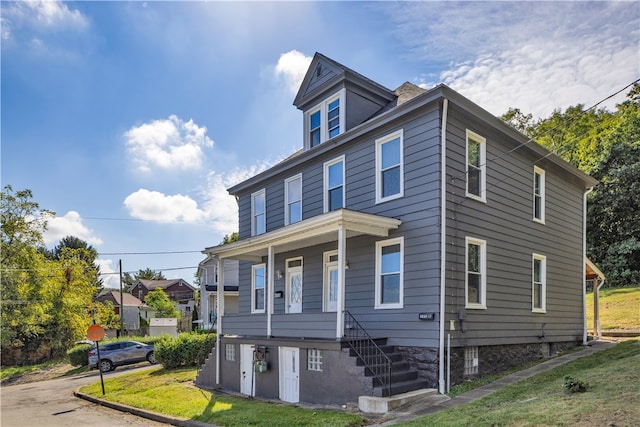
<point>270,293</point>
<point>584,266</point>
<point>443,240</point>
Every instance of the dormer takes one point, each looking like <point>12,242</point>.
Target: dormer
<point>334,99</point>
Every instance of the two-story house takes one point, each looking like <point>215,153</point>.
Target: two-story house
<point>178,291</point>
<point>415,239</point>
<point>208,277</point>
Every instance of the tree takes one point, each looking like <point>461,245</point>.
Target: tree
<point>606,145</point>
<point>233,237</point>
<point>129,280</point>
<point>160,302</point>
<point>88,254</point>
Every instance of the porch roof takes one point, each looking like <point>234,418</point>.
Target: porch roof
<point>312,231</point>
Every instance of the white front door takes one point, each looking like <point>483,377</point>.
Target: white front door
<point>289,374</point>
<point>331,281</point>
<point>246,370</point>
<point>294,285</point>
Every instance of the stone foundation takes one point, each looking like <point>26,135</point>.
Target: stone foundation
<point>492,359</point>
<point>424,360</point>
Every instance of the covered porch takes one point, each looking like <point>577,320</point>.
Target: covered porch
<point>338,227</point>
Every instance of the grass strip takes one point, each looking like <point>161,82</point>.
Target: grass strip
<point>613,376</point>
<point>172,392</point>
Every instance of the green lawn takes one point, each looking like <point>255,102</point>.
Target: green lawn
<point>619,308</point>
<point>173,393</point>
<point>613,376</point>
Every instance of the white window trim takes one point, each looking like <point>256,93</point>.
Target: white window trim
<point>483,165</point>
<point>326,181</point>
<point>253,211</point>
<point>543,287</point>
<point>378,270</point>
<point>541,172</point>
<point>287,220</point>
<point>253,288</point>
<point>379,143</point>
<point>483,272</point>
<point>324,123</point>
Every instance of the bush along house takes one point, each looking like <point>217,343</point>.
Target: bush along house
<point>414,242</point>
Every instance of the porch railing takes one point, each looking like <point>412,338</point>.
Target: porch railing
<point>372,356</point>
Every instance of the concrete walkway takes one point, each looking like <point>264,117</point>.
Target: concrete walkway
<point>412,412</point>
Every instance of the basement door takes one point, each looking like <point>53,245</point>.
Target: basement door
<point>289,374</point>
<point>246,370</point>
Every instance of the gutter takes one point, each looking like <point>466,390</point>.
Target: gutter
<point>584,265</point>
<point>443,240</point>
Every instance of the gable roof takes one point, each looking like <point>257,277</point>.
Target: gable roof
<point>128,300</point>
<point>162,284</point>
<point>324,75</point>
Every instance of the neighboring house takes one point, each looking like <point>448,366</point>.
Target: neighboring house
<point>178,290</point>
<point>131,311</point>
<point>208,275</point>
<point>413,217</point>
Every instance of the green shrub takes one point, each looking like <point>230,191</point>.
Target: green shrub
<point>79,355</point>
<point>187,349</point>
<point>574,385</point>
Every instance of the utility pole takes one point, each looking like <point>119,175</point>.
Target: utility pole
<point>121,300</point>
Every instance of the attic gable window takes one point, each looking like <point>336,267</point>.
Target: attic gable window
<point>325,120</point>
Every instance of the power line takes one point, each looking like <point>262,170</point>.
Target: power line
<point>149,253</point>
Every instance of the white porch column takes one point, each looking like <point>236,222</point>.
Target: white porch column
<point>269,293</point>
<point>342,247</point>
<point>219,312</point>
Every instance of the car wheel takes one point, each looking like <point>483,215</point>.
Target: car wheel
<point>151,358</point>
<point>106,365</point>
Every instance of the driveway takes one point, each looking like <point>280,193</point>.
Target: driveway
<point>52,404</point>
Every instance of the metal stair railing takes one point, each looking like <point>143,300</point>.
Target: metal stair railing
<point>374,359</point>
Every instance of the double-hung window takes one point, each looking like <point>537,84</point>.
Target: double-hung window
<point>314,128</point>
<point>476,273</point>
<point>389,167</point>
<point>539,279</point>
<point>538,194</point>
<point>389,291</point>
<point>334,189</point>
<point>326,120</point>
<point>333,118</point>
<point>258,282</point>
<point>258,213</point>
<point>293,200</point>
<point>476,166</point>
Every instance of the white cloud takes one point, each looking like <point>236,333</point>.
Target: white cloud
<point>168,144</point>
<point>537,56</point>
<point>216,208</point>
<point>41,16</point>
<point>69,225</point>
<point>110,277</point>
<point>292,67</point>
<point>156,206</point>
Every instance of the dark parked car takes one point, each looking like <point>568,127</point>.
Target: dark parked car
<point>121,353</point>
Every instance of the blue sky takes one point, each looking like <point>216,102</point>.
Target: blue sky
<point>130,119</point>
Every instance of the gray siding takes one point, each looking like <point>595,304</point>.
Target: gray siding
<point>505,221</point>
<point>418,209</point>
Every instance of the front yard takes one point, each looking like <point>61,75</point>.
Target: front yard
<point>613,376</point>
